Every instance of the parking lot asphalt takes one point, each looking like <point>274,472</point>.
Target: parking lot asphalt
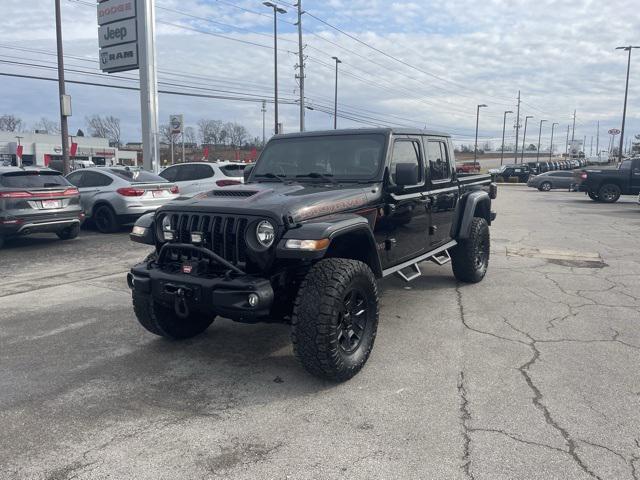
<point>531,374</point>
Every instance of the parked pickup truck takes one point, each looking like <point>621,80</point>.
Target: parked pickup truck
<point>320,218</point>
<point>468,167</point>
<point>606,184</point>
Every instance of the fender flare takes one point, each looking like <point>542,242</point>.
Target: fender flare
<point>467,211</point>
<point>334,228</point>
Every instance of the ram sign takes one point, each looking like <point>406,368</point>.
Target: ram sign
<point>119,58</point>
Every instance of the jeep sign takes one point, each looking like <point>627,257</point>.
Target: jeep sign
<point>119,58</point>
<point>114,10</point>
<point>117,33</point>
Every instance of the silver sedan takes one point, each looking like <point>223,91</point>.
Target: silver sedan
<point>556,179</point>
<point>116,196</point>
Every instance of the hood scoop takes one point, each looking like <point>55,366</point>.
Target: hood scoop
<point>233,193</point>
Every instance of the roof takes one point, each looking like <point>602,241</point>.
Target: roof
<point>23,169</point>
<point>366,131</point>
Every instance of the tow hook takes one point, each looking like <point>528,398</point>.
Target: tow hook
<point>180,299</point>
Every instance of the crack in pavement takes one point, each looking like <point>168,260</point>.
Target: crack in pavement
<point>465,417</point>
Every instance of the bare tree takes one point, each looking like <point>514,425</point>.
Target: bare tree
<point>10,123</point>
<point>48,126</point>
<point>237,134</point>
<point>166,136</point>
<point>210,131</point>
<point>190,135</point>
<point>105,127</point>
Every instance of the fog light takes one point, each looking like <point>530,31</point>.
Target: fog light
<point>140,231</point>
<point>168,236</point>
<point>196,237</point>
<point>253,299</point>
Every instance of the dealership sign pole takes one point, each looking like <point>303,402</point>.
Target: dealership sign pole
<point>176,127</point>
<point>127,42</point>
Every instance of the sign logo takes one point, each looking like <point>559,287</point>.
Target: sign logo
<point>114,10</point>
<point>176,122</point>
<point>187,269</point>
<point>614,132</point>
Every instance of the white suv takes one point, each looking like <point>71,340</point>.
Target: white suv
<point>196,177</point>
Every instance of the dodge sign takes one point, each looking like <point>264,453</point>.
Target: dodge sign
<point>114,10</point>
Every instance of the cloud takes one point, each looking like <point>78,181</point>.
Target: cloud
<point>463,52</point>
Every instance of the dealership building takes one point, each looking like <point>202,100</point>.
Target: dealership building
<point>43,150</point>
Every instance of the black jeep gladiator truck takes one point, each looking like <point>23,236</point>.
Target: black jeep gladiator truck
<point>321,217</point>
<point>606,184</point>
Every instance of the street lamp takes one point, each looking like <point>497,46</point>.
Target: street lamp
<point>626,92</point>
<point>504,124</point>
<point>524,136</point>
<point>276,10</point>
<point>335,103</point>
<point>475,149</point>
<point>553,126</point>
<point>539,136</point>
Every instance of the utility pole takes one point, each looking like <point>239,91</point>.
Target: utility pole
<point>504,124</point>
<point>475,148</point>
<point>626,93</point>
<point>517,129</point>
<point>300,64</point>
<point>264,111</point>
<point>183,144</point>
<point>335,104</point>
<point>276,11</point>
<point>539,137</point>
<point>584,144</point>
<point>64,99</point>
<point>553,126</point>
<point>598,140</point>
<point>566,148</point>
<point>524,135</point>
<point>573,132</point>
<point>591,147</point>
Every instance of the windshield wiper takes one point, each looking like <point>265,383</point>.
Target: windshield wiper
<point>324,176</point>
<point>271,175</point>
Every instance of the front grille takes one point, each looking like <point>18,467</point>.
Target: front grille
<point>222,234</point>
<point>233,193</point>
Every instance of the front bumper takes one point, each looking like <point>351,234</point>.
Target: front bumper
<point>226,295</point>
<point>27,226</point>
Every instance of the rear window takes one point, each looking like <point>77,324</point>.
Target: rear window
<point>233,170</point>
<point>139,176</point>
<point>33,180</point>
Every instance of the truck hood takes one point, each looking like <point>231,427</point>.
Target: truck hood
<point>284,202</point>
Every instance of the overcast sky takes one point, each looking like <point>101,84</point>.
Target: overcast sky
<point>452,56</point>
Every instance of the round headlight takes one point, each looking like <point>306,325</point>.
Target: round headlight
<point>166,223</point>
<point>265,233</point>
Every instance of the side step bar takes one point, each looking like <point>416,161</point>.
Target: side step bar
<point>440,256</point>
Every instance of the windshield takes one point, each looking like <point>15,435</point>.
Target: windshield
<point>137,176</point>
<point>345,157</point>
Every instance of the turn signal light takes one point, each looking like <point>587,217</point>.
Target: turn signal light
<point>583,175</point>
<point>293,244</point>
<point>175,189</point>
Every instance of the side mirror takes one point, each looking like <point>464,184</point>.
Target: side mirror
<point>247,172</point>
<point>406,174</point>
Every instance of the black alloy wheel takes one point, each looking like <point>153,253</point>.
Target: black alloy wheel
<point>609,193</point>
<point>353,321</point>
<point>105,219</point>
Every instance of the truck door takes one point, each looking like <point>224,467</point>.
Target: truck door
<point>635,176</point>
<point>443,190</point>
<point>406,220</point>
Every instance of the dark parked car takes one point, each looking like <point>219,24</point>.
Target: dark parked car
<point>549,180</point>
<point>321,217</point>
<point>520,171</point>
<point>606,184</point>
<point>38,200</point>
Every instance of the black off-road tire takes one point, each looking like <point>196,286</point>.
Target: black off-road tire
<point>163,321</point>
<point>593,196</point>
<point>69,233</point>
<point>470,258</point>
<point>335,318</point>
<point>105,219</point>
<point>609,193</point>
<point>545,187</point>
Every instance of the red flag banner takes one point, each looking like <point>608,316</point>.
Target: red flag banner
<point>19,149</point>
<point>74,149</point>
<point>205,153</point>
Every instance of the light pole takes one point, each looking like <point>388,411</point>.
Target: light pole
<point>276,11</point>
<point>524,135</point>
<point>504,124</point>
<point>335,103</point>
<point>264,111</point>
<point>475,148</point>
<point>626,93</point>
<point>539,136</point>
<point>553,126</point>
